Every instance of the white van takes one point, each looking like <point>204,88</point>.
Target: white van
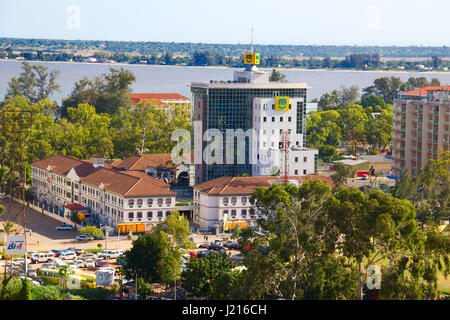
<point>42,257</point>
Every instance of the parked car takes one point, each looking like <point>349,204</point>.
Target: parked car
<point>42,257</point>
<point>67,256</point>
<point>98,260</point>
<point>77,251</point>
<point>364,177</point>
<point>2,197</point>
<point>237,257</point>
<point>109,254</point>
<point>89,263</point>
<point>218,242</point>
<point>19,261</point>
<point>72,264</point>
<point>103,264</point>
<point>31,272</point>
<point>48,266</point>
<point>59,263</point>
<point>80,264</point>
<point>90,256</point>
<point>215,247</point>
<point>84,237</point>
<point>234,246</point>
<point>64,227</point>
<point>193,254</point>
<point>204,245</point>
<point>99,237</point>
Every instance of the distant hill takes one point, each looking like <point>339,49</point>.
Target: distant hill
<point>147,48</point>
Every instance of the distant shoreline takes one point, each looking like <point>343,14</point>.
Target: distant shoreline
<point>225,67</point>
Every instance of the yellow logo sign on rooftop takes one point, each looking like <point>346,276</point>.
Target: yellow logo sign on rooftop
<point>251,58</point>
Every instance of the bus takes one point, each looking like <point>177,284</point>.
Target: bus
<point>77,280</point>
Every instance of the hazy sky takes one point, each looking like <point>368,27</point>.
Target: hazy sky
<point>351,22</point>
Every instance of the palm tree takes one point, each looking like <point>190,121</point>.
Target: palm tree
<point>64,273</point>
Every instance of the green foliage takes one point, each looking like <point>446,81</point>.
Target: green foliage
<point>107,92</point>
<point>91,293</point>
<point>144,289</point>
<point>276,76</point>
<point>156,257</point>
<point>25,291</point>
<point>201,273</point>
<point>93,231</point>
<point>34,83</point>
<point>342,172</point>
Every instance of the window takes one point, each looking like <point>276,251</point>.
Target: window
<point>244,200</point>
<point>160,202</point>
<point>167,213</point>
<point>225,201</point>
<point>130,215</point>
<point>160,214</point>
<point>131,203</point>
<point>244,213</point>
<point>273,119</point>
<point>296,159</point>
<point>149,202</point>
<point>265,119</point>
<point>296,172</point>
<point>281,119</point>
<point>139,215</point>
<point>149,215</point>
<point>233,213</point>
<point>233,200</point>
<point>305,159</point>
<point>289,119</point>
<point>139,202</point>
<point>304,171</point>
<point>168,201</point>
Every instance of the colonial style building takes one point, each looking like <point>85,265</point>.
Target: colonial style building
<point>110,195</point>
<point>224,202</point>
<point>159,166</point>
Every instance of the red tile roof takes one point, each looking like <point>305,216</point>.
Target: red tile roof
<point>423,91</point>
<point>75,206</point>
<point>126,184</point>
<point>161,99</point>
<point>162,161</point>
<point>246,185</point>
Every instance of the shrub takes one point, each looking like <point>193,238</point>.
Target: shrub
<point>99,245</point>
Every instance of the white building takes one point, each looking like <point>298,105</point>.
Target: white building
<point>270,124</point>
<point>111,196</point>
<point>225,201</point>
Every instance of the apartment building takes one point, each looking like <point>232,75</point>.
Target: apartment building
<point>111,196</point>
<point>223,202</point>
<point>420,128</point>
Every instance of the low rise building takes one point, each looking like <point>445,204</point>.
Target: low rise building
<point>160,99</point>
<point>111,196</point>
<point>224,202</point>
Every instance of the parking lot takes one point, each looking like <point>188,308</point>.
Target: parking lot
<point>44,236</point>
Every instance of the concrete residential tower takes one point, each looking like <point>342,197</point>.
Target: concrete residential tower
<point>421,128</point>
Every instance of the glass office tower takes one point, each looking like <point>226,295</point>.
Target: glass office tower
<point>226,105</point>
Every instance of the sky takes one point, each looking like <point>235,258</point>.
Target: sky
<point>291,22</point>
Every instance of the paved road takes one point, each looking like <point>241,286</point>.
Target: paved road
<point>44,236</point>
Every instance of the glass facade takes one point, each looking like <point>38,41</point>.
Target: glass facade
<point>232,108</point>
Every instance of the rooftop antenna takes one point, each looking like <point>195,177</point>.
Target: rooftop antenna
<point>251,45</point>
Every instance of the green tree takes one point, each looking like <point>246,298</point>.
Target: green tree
<point>107,92</point>
<point>156,257</point>
<point>143,288</point>
<point>352,121</point>
<point>280,266</point>
<point>371,228</point>
<point>25,291</point>
<point>93,231</point>
<point>64,273</point>
<point>34,83</point>
<point>276,76</point>
<point>201,273</point>
<point>342,173</point>
<point>372,101</point>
